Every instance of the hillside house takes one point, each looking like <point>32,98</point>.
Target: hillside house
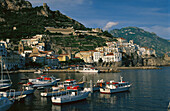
<point>87,56</point>
<point>63,57</point>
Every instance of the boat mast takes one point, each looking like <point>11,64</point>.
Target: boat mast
<point>121,79</point>
<point>1,70</point>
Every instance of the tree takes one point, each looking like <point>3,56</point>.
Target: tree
<point>60,51</point>
<point>107,34</point>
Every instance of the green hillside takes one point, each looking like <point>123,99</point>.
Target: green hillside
<point>143,38</point>
<point>31,21</point>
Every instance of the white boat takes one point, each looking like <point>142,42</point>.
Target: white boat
<point>5,103</point>
<point>44,81</point>
<point>89,70</point>
<point>73,97</point>
<point>4,83</point>
<point>26,90</point>
<point>68,82</point>
<point>55,93</point>
<point>114,87</point>
<point>100,84</point>
<point>38,72</point>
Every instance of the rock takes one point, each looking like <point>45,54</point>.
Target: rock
<point>45,11</point>
<point>15,4</point>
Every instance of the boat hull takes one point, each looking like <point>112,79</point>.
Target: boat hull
<point>69,99</point>
<point>17,93</point>
<point>110,91</point>
<point>54,93</point>
<point>88,71</point>
<point>36,83</point>
<point>4,86</point>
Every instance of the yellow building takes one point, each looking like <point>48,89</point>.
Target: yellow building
<point>87,56</point>
<point>63,57</point>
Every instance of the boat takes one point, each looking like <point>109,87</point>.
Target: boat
<point>5,103</point>
<point>44,81</point>
<point>89,70</point>
<point>76,95</point>
<point>59,92</point>
<point>114,87</point>
<point>26,90</point>
<point>38,72</point>
<point>100,84</point>
<point>4,83</point>
<point>66,83</point>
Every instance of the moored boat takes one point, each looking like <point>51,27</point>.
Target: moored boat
<point>26,90</point>
<point>66,83</point>
<point>73,97</point>
<point>100,84</point>
<point>114,87</point>
<point>38,72</point>
<point>89,70</point>
<point>44,81</point>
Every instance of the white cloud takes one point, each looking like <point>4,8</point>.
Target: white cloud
<point>110,25</point>
<point>163,32</point>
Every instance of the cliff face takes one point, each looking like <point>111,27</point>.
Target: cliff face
<point>15,4</point>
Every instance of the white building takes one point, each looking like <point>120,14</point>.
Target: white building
<point>109,58</point>
<point>113,57</point>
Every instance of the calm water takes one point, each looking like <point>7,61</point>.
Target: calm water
<point>150,91</point>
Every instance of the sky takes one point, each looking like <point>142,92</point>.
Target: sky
<point>151,15</point>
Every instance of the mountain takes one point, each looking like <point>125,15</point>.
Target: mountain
<point>143,38</point>
<point>18,19</point>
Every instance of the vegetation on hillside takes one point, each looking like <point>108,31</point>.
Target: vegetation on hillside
<point>143,38</point>
<point>78,43</point>
<point>28,22</point>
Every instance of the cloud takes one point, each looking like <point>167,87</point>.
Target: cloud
<point>161,31</point>
<point>110,25</point>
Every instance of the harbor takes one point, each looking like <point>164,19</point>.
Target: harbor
<point>142,91</point>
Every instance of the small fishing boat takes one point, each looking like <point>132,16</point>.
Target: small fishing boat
<point>59,92</point>
<point>100,84</point>
<point>66,83</point>
<point>26,90</point>
<point>44,81</point>
<point>89,70</point>
<point>38,72</point>
<point>75,95</point>
<point>114,87</point>
<point>5,103</point>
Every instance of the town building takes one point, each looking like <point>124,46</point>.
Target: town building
<point>3,51</point>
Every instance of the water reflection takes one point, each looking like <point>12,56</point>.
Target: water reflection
<point>77,106</point>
